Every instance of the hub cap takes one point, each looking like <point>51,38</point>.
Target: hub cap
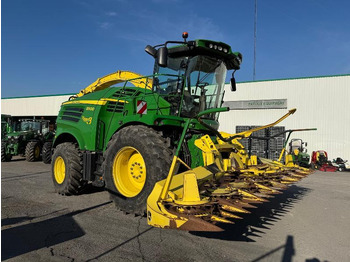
<point>37,152</point>
<point>60,170</point>
<point>129,171</point>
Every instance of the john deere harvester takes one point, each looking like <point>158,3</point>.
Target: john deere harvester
<point>152,141</point>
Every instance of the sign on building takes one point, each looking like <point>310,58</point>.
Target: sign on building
<point>256,104</point>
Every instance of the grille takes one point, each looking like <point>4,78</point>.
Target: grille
<point>115,106</point>
<point>72,114</point>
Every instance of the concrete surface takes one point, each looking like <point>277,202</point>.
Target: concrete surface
<point>308,222</point>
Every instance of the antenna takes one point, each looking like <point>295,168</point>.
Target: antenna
<point>255,20</point>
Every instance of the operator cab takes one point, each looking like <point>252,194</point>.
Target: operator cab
<point>191,76</point>
<point>41,126</point>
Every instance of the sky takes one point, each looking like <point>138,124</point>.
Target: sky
<point>61,46</point>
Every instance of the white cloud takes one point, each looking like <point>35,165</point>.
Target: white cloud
<point>105,25</point>
<point>111,13</point>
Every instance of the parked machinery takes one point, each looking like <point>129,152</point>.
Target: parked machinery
<point>27,138</point>
<point>138,141</point>
<point>297,149</point>
<point>319,160</point>
<point>342,165</point>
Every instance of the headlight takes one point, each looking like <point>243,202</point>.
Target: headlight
<point>9,137</point>
<point>218,47</point>
<point>16,137</point>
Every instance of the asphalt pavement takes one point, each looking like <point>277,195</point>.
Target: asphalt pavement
<point>308,222</point>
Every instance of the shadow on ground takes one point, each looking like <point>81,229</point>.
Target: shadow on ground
<point>288,252</point>
<point>22,239</point>
<point>261,218</point>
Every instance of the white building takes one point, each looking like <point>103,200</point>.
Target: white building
<point>321,102</point>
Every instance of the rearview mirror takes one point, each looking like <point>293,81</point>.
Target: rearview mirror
<point>162,56</point>
<point>233,84</point>
<point>151,50</point>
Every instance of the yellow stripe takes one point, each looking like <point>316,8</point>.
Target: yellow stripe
<point>114,100</point>
<point>101,102</point>
<point>89,102</point>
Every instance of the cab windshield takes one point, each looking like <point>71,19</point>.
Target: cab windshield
<point>27,126</point>
<point>191,84</point>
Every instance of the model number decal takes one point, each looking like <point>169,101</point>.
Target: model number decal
<point>90,108</point>
<point>87,120</point>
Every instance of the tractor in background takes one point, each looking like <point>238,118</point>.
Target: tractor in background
<point>297,149</point>
<point>30,138</point>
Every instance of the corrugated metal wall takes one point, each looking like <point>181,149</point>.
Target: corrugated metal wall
<point>33,106</point>
<point>322,102</point>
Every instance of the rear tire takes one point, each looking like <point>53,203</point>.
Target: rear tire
<point>47,153</point>
<point>4,157</point>
<point>150,151</point>
<point>67,169</point>
<point>33,151</point>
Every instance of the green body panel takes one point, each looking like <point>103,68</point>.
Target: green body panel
<point>188,79</point>
<point>301,159</point>
<point>16,146</point>
<point>196,153</point>
<point>93,119</point>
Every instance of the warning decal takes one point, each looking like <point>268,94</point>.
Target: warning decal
<point>141,107</point>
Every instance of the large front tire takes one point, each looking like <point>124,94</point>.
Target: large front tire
<point>136,158</point>
<point>67,169</point>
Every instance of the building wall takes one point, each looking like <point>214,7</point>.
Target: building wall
<point>33,106</point>
<point>322,102</point>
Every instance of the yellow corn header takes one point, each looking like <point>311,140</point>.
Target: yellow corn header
<point>229,184</point>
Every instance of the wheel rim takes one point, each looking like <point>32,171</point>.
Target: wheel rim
<point>37,152</point>
<point>129,171</point>
<point>59,170</point>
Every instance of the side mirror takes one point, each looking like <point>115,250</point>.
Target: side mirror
<point>151,50</point>
<point>233,84</point>
<point>305,143</point>
<point>162,56</point>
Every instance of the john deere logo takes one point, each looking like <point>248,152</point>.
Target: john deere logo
<point>87,120</point>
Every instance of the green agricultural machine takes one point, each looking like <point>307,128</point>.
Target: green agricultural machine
<point>130,137</point>
<point>30,138</point>
<point>5,125</point>
<point>298,151</point>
